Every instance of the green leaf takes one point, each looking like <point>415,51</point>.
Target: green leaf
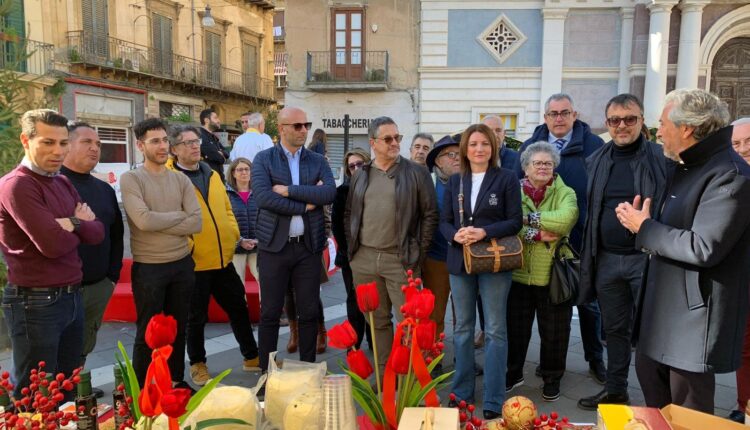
<point>135,389</point>
<point>365,396</point>
<point>202,393</point>
<point>426,389</point>
<point>435,361</point>
<point>200,425</point>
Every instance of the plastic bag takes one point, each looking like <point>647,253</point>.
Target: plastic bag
<point>286,383</point>
<point>304,412</point>
<point>228,402</point>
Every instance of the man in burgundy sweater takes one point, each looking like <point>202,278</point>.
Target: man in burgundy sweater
<point>42,222</point>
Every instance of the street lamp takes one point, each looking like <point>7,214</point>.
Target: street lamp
<point>208,20</point>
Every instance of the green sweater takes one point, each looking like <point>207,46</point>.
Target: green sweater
<point>558,213</point>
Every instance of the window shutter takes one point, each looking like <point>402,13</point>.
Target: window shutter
<point>95,27</point>
<point>14,20</point>
<point>213,57</point>
<point>250,67</point>
<point>161,35</point>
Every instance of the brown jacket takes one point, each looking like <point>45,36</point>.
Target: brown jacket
<point>416,210</point>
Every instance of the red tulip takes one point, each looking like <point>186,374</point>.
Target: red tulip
<point>359,363</point>
<point>174,402</point>
<point>149,400</point>
<point>368,299</point>
<point>426,330</point>
<point>399,359</point>
<point>420,305</point>
<point>161,331</point>
<point>342,336</point>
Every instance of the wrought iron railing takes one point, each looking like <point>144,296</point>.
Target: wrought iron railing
<point>347,66</point>
<point>86,48</point>
<point>24,55</point>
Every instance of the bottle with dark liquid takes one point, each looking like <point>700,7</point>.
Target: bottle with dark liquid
<point>86,404</point>
<point>119,399</point>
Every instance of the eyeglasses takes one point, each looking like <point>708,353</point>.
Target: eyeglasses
<point>546,164</point>
<point>628,120</point>
<point>356,165</point>
<point>389,139</point>
<point>452,155</point>
<point>157,141</point>
<point>298,125</point>
<point>242,169</point>
<point>191,142</point>
<point>553,114</point>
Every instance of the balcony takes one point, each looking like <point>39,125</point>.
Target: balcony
<point>347,70</point>
<point>142,61</point>
<point>25,56</point>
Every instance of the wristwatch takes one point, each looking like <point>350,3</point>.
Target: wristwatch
<point>76,223</point>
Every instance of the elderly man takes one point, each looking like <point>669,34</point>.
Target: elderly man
<point>420,146</point>
<point>695,295</point>
<point>254,140</point>
<point>611,265</point>
<point>509,158</point>
<point>382,247</point>
<point>443,161</point>
<point>741,144</point>
<point>573,138</point>
<point>42,222</point>
<point>291,186</point>
<point>102,262</point>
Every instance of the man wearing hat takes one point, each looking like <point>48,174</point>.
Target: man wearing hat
<point>443,161</point>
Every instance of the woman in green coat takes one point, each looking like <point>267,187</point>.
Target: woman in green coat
<point>550,212</point>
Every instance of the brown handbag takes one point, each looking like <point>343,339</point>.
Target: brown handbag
<point>490,255</point>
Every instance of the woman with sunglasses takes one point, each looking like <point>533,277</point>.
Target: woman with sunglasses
<point>491,209</point>
<point>353,162</point>
<point>245,210</point>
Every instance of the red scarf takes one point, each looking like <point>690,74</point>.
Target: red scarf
<point>536,195</point>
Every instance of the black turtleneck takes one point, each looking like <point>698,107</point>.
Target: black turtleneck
<point>620,187</point>
<point>105,259</point>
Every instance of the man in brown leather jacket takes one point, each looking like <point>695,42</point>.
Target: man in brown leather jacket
<point>389,219</point>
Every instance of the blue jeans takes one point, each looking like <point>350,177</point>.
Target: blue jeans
<point>45,327</point>
<point>494,288</point>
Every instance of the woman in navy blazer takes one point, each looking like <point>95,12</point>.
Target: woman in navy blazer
<point>492,209</point>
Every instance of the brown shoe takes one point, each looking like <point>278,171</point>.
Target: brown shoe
<point>322,338</point>
<point>291,346</point>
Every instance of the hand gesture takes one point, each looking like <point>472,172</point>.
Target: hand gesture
<point>632,216</point>
<point>247,244</point>
<point>84,212</point>
<point>282,190</point>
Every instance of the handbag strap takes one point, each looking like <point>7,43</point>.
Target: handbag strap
<point>461,201</point>
<point>564,242</point>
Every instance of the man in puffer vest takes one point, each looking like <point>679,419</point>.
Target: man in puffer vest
<point>212,250</point>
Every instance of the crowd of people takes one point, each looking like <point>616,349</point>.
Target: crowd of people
<point>662,230</point>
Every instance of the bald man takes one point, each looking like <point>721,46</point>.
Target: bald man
<point>509,159</point>
<point>291,185</point>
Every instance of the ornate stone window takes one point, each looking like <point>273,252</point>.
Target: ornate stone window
<point>501,38</point>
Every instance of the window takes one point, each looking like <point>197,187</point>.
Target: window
<point>347,46</point>
<point>279,69</point>
<point>250,67</point>
<point>336,151</point>
<point>12,24</point>
<point>509,122</point>
<point>278,25</point>
<point>501,38</point>
<point>213,57</point>
<point>114,144</point>
<point>175,111</point>
<point>95,27</point>
<point>161,39</point>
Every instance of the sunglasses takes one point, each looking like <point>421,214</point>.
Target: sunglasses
<point>628,120</point>
<point>389,139</point>
<point>356,165</point>
<point>298,125</point>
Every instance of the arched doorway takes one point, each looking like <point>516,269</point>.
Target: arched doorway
<point>730,77</point>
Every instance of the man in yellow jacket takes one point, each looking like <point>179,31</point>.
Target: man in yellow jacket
<point>212,250</point>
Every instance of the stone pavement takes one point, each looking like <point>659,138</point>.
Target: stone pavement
<point>223,353</point>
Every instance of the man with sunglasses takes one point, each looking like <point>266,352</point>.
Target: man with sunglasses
<point>291,184</point>
<point>389,219</point>
<point>162,213</point>
<point>573,138</point>
<point>611,265</point>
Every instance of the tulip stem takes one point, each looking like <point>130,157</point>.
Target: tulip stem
<point>375,353</point>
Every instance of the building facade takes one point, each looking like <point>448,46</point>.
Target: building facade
<point>480,57</point>
<point>125,61</point>
<point>352,58</point>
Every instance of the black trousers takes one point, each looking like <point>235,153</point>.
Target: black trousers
<point>291,307</point>
<point>662,385</point>
<point>554,330</point>
<point>299,268</point>
<point>227,288</point>
<point>163,287</point>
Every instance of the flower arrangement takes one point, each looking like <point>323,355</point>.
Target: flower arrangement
<point>37,409</point>
<point>157,398</point>
<point>415,352</point>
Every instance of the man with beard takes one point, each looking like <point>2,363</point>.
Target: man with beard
<point>211,150</point>
<point>162,213</point>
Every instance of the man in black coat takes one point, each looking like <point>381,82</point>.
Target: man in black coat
<point>693,305</point>
<point>611,265</point>
<point>575,141</point>
<point>212,152</point>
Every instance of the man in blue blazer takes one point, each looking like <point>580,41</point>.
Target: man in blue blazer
<point>291,185</point>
